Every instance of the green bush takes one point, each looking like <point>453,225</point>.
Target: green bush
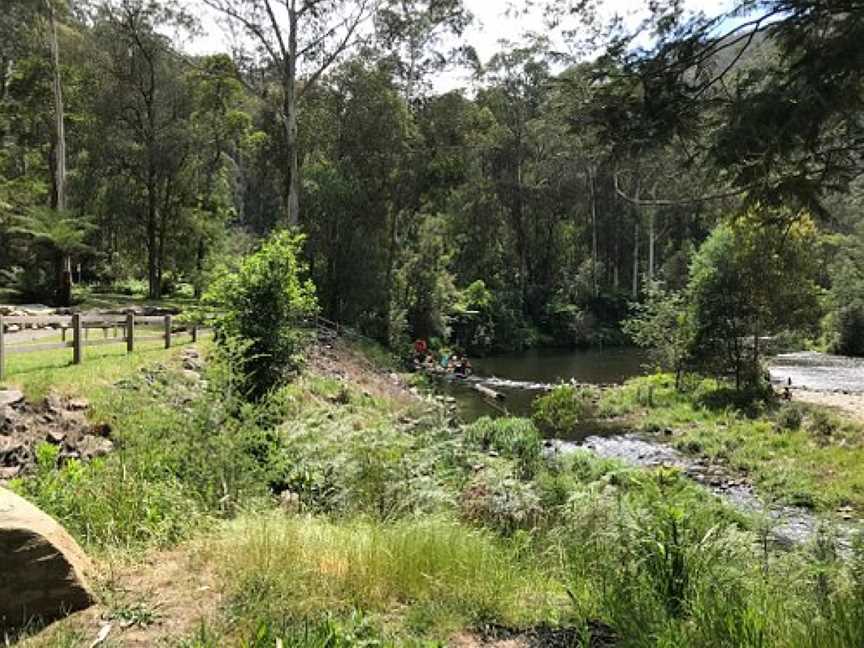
<point>822,425</point>
<point>263,303</point>
<point>558,412</point>
<point>790,417</point>
<point>516,438</point>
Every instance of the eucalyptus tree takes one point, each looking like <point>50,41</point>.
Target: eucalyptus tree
<point>767,95</point>
<point>518,83</point>
<point>64,295</point>
<point>222,129</point>
<point>420,38</point>
<point>360,184</point>
<point>143,112</point>
<point>299,41</point>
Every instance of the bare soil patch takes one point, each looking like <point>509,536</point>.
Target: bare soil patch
<point>334,358</point>
<point>153,602</point>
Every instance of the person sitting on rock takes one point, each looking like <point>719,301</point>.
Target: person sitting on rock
<point>462,368</point>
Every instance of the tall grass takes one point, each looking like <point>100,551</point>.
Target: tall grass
<point>434,572</point>
<point>515,438</point>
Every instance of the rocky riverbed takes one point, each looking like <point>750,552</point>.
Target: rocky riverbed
<point>787,525</point>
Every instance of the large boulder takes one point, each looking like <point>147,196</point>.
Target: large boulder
<point>42,570</point>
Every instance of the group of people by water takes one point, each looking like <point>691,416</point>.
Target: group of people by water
<point>443,362</point>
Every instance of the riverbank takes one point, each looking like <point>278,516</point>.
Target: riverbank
<point>349,509</point>
<point>797,453</point>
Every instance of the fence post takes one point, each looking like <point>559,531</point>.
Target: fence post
<point>130,332</point>
<point>77,340</point>
<point>167,331</point>
<point>2,350</point>
<point>195,332</point>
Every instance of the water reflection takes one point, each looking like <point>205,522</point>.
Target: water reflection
<point>522,376</point>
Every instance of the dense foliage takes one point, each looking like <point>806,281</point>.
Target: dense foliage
<point>263,304</point>
<point>538,208</point>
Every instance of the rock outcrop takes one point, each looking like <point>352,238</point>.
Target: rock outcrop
<point>62,422</point>
<point>43,572</point>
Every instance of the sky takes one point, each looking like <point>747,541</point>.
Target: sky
<point>493,24</point>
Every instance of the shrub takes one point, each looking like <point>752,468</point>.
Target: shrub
<point>790,417</point>
<point>849,329</point>
<point>264,302</point>
<point>505,505</point>
<point>560,411</point>
<point>516,438</point>
<point>822,425</point>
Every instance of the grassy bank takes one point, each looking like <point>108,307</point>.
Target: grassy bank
<point>396,527</point>
<point>795,453</point>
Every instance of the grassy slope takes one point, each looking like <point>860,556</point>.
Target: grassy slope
<point>38,372</point>
<point>797,454</point>
<point>408,531</point>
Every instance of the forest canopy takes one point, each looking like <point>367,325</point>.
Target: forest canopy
<point>542,205</point>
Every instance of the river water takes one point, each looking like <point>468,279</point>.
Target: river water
<point>522,376</point>
<point>819,371</point>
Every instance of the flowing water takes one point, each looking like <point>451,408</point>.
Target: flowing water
<point>819,371</point>
<point>521,377</point>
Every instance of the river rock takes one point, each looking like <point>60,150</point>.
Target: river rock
<point>289,501</point>
<point>9,473</point>
<point>90,447</point>
<point>10,397</point>
<point>44,570</point>
<point>78,404</point>
<point>9,446</point>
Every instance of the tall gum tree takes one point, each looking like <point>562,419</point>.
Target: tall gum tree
<point>64,295</point>
<point>293,38</point>
<point>300,40</point>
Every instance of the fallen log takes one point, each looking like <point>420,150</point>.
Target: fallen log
<point>487,392</point>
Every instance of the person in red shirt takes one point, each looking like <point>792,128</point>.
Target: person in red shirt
<point>420,348</point>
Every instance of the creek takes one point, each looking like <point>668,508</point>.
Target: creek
<point>521,377</point>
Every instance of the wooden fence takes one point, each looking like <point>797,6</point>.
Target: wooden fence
<point>116,329</point>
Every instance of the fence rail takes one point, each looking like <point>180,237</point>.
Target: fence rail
<point>122,327</point>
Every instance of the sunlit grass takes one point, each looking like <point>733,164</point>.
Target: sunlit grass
<point>795,466</point>
<point>36,373</point>
<point>435,574</point>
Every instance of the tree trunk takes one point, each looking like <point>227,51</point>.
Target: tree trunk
<point>635,291</point>
<point>592,191</point>
<point>5,79</point>
<point>199,267</point>
<point>391,266</point>
<point>153,288</point>
<point>636,261</point>
<point>64,289</point>
<point>289,116</point>
<point>163,235</point>
<point>651,242</point>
